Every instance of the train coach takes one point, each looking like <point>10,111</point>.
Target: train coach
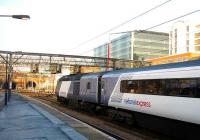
<point>156,96</point>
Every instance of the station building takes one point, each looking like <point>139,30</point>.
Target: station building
<point>136,45</point>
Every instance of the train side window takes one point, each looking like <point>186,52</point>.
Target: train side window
<point>153,87</point>
<point>162,87</point>
<point>123,86</point>
<point>172,87</point>
<point>197,90</point>
<point>128,86</point>
<point>187,87</point>
<point>142,86</point>
<point>88,85</point>
<point>182,87</point>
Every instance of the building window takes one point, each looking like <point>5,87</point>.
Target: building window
<point>170,52</point>
<point>175,33</point>
<point>187,28</point>
<point>197,48</point>
<point>187,49</point>
<point>187,45</point>
<point>170,34</point>
<point>175,41</point>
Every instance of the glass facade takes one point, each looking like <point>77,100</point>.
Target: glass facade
<point>121,47</point>
<point>136,45</point>
<point>148,44</point>
<point>101,51</point>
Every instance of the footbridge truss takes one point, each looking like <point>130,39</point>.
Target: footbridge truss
<point>19,58</point>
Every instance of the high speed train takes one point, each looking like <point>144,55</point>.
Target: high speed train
<point>158,97</point>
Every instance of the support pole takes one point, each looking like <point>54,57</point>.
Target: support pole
<point>10,70</point>
<point>6,82</point>
<point>108,56</point>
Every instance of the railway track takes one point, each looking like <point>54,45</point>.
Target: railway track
<point>106,125</point>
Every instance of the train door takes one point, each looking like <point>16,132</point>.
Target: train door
<point>76,88</point>
<point>103,92</point>
<point>99,91</point>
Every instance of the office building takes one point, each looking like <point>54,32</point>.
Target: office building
<point>136,45</point>
<point>184,37</point>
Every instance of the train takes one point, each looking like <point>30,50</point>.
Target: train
<point>165,98</point>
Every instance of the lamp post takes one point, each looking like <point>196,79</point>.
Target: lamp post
<point>9,63</point>
<point>9,76</point>
<point>23,17</point>
<point>108,53</point>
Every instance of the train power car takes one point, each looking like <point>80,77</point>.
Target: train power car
<point>68,88</point>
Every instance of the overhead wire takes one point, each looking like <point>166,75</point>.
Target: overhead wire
<point>123,23</point>
<point>145,44</point>
<point>152,27</point>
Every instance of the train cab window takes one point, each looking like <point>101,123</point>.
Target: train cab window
<point>88,85</point>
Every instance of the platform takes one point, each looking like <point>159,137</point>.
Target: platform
<point>22,120</point>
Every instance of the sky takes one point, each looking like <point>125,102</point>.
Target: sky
<point>60,26</point>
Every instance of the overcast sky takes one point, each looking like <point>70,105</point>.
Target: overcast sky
<point>59,26</point>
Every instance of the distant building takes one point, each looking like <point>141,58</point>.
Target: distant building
<point>101,51</point>
<point>184,37</point>
<point>136,45</point>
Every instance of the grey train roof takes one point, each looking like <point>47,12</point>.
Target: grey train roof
<point>158,67</point>
<point>71,77</point>
<point>98,74</point>
<point>148,68</point>
<point>74,77</point>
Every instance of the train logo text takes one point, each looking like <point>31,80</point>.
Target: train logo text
<point>137,102</point>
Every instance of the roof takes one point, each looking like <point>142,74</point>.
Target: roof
<point>158,67</point>
<point>71,77</point>
<point>147,68</point>
<point>92,75</point>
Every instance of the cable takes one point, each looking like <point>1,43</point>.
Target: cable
<point>125,36</point>
<point>173,19</point>
<point>155,26</point>
<point>141,31</point>
<point>93,38</point>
